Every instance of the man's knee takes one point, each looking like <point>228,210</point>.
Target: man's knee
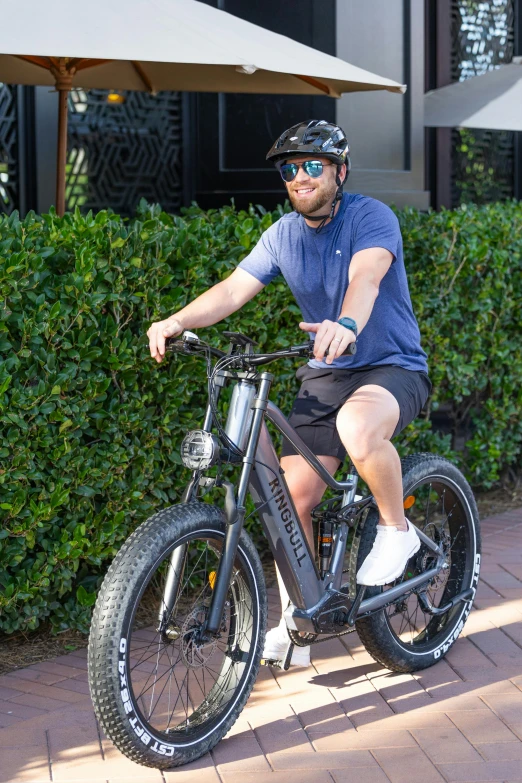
<point>367,420</point>
<point>360,443</point>
<point>360,438</point>
<point>304,484</point>
<point>304,493</point>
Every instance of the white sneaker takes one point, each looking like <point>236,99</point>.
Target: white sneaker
<point>389,555</point>
<point>276,644</point>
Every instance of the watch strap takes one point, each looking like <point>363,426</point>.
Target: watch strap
<point>348,323</point>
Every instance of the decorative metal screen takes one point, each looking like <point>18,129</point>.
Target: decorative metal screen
<point>9,185</point>
<point>482,38</point>
<point>119,153</point>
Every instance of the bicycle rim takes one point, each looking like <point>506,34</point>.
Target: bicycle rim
<point>181,686</point>
<point>440,509</point>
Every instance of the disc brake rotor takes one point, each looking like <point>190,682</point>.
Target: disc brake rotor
<point>196,652</point>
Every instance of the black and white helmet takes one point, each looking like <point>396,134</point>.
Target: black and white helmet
<point>312,137</point>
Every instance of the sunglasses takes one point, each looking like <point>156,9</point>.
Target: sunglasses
<point>314,168</point>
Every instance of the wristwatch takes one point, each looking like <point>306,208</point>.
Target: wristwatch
<point>348,323</point>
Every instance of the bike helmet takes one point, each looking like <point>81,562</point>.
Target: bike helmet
<point>315,137</point>
<point>312,137</point>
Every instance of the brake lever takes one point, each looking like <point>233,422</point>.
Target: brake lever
<point>174,345</point>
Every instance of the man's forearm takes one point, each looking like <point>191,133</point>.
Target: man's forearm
<point>209,308</point>
<point>359,301</point>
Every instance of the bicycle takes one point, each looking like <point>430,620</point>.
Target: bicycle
<point>179,624</point>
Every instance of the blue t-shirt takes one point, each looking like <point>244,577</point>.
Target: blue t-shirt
<point>315,266</point>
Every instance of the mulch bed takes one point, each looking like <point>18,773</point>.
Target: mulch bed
<point>21,650</point>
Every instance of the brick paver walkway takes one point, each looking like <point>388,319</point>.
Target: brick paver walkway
<point>343,720</point>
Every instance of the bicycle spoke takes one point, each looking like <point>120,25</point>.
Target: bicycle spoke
<point>440,520</point>
<point>191,677</point>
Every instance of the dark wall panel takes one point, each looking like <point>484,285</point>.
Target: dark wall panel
<point>228,136</point>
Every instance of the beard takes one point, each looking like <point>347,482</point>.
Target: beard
<point>320,200</point>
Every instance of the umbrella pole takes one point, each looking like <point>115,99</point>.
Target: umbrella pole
<point>63,71</point>
<point>61,159</point>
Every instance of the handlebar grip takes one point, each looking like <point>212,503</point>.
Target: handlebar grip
<point>351,350</point>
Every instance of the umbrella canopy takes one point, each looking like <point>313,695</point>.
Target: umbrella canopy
<point>492,101</point>
<point>160,45</point>
<point>167,45</point>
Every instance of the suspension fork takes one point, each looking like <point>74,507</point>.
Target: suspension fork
<point>179,555</point>
<point>237,514</point>
<point>170,593</point>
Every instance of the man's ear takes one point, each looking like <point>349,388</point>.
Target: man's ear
<point>339,178</point>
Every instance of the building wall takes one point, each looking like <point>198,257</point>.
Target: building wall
<point>228,135</point>
<point>222,147</point>
<point>385,130</point>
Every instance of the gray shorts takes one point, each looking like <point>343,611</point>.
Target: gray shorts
<point>324,391</point>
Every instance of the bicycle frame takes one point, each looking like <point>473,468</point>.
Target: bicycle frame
<point>264,478</point>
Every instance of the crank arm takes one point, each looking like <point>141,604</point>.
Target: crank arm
<point>428,608</point>
<point>429,543</point>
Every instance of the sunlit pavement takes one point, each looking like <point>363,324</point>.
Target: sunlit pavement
<point>344,719</point>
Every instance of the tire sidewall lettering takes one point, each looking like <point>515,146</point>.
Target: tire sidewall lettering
<point>443,649</point>
<point>153,743</point>
<point>130,713</point>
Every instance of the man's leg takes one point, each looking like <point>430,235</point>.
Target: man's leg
<point>365,423</point>
<point>306,489</point>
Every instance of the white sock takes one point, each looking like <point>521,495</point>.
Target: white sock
<point>285,598</point>
<point>394,527</point>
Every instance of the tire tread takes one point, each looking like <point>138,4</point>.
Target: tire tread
<point>108,616</point>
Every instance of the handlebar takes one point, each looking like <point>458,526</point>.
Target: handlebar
<point>191,344</point>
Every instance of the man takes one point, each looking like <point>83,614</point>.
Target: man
<point>341,255</point>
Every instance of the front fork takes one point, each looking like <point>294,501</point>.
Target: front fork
<point>176,567</point>
<point>170,593</point>
<point>235,515</point>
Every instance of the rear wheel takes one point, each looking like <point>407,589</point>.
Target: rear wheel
<point>163,693</point>
<point>439,501</point>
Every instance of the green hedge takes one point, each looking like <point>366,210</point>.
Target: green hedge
<point>91,426</point>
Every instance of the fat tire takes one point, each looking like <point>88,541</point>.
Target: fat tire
<point>374,631</point>
<point>115,603</point>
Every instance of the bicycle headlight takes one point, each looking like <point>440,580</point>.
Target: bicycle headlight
<point>199,450</point>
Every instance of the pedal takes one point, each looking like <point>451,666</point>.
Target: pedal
<point>283,663</point>
<point>276,664</point>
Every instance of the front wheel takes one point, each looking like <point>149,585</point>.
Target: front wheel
<point>439,501</point>
<point>163,692</point>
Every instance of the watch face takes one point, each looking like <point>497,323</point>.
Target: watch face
<point>348,323</point>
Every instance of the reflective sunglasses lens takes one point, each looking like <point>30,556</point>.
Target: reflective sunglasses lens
<point>314,168</point>
<point>289,171</point>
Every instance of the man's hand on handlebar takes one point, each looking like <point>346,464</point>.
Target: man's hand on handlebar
<point>331,337</point>
<point>157,334</point>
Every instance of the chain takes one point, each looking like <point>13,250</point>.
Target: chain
<point>314,638</point>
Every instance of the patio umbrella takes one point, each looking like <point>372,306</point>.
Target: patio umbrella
<point>492,101</point>
<point>160,45</point>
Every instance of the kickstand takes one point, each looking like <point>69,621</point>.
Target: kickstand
<point>352,614</point>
